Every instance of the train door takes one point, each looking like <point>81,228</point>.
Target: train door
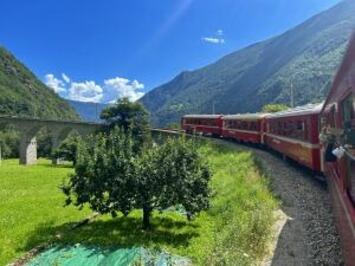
<point>348,117</point>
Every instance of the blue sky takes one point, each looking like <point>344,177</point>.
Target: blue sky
<point>113,48</point>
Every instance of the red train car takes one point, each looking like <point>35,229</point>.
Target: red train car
<point>247,128</point>
<point>338,138</point>
<point>294,133</point>
<point>209,125</point>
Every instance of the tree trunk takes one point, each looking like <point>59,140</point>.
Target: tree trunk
<point>146,217</point>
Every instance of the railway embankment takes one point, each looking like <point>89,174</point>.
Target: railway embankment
<point>305,233</point>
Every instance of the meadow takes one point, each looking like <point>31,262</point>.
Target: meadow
<point>235,231</point>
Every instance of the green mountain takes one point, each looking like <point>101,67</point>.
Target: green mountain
<point>22,94</point>
<point>305,57</point>
<point>88,111</point>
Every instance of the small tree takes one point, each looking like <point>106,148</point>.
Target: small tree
<point>273,108</point>
<point>111,177</point>
<point>130,116</point>
<point>68,149</point>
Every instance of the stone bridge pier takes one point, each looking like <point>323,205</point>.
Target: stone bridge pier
<point>29,128</point>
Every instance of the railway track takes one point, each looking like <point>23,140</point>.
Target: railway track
<point>309,235</point>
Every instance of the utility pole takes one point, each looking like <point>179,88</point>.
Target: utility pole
<point>292,100</point>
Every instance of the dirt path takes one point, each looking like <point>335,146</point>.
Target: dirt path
<point>307,232</point>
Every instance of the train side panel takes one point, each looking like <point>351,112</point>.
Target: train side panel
<point>296,136</point>
<point>304,153</point>
<point>338,131</point>
<point>244,136</point>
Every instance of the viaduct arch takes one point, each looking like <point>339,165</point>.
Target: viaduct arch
<point>29,127</point>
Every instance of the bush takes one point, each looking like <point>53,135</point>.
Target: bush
<point>67,150</point>
<point>9,143</point>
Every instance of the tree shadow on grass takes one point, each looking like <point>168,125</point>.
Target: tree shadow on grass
<point>122,232</point>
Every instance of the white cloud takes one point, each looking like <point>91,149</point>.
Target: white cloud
<point>65,78</point>
<point>213,40</point>
<point>220,33</point>
<point>217,38</point>
<point>87,91</point>
<point>122,87</point>
<point>55,84</point>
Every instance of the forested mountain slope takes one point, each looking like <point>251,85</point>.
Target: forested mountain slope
<point>22,94</point>
<point>306,56</point>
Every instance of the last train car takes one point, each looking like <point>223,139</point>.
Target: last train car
<point>248,128</point>
<point>338,142</point>
<point>294,133</point>
<point>208,125</point>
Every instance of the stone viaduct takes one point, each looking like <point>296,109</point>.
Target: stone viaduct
<point>29,127</point>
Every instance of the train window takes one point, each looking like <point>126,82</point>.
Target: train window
<point>300,125</point>
<point>332,117</point>
<point>278,128</point>
<point>252,126</point>
<point>348,111</point>
<point>244,125</point>
<point>299,130</point>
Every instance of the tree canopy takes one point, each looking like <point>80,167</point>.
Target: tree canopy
<point>112,178</point>
<point>130,116</point>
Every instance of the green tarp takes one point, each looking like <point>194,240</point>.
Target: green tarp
<point>79,255</point>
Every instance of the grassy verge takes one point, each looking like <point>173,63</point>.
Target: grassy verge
<point>235,231</point>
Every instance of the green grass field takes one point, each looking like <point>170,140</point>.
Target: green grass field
<point>235,231</point>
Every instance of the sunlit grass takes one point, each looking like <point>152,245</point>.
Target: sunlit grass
<point>29,196</point>
<point>235,231</point>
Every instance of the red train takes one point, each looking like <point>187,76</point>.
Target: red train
<point>320,137</point>
<point>293,133</point>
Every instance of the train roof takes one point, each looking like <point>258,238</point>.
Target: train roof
<point>298,111</point>
<point>203,116</point>
<point>248,116</point>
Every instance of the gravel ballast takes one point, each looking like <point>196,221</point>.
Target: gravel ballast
<point>309,236</point>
